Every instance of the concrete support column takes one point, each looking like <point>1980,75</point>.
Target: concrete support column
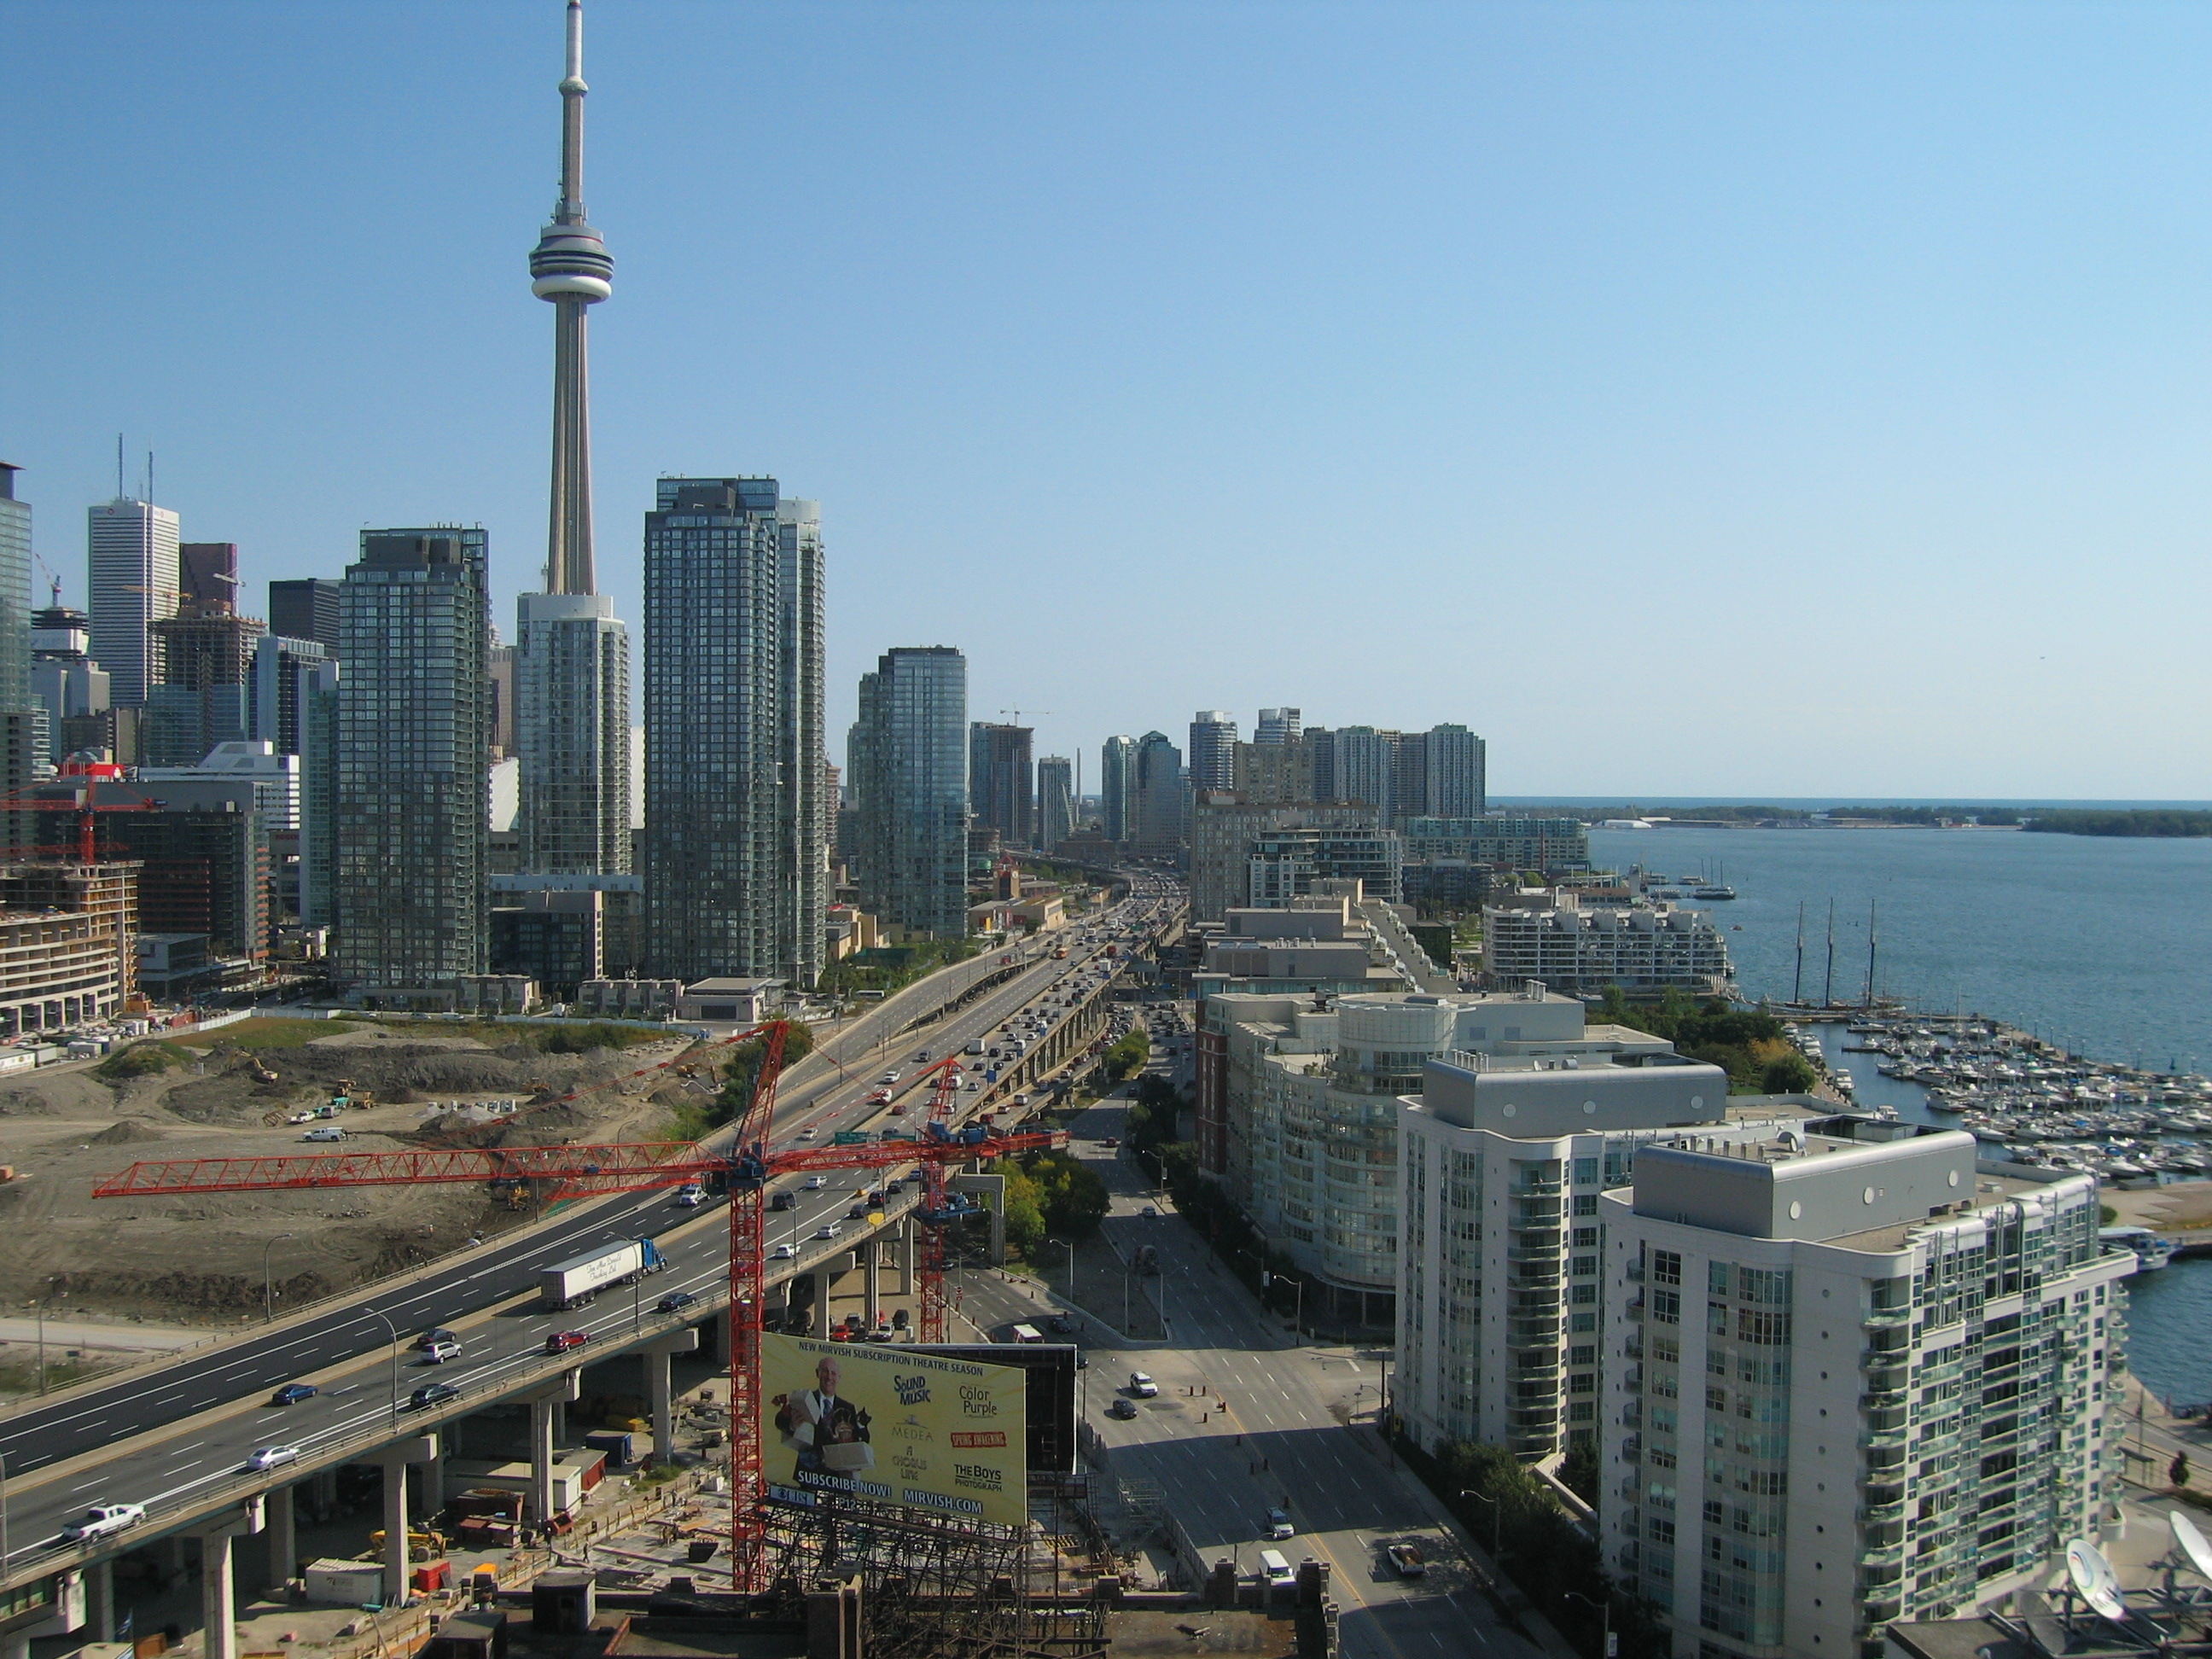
<point>660,1390</point>
<point>100,1600</point>
<point>541,1459</point>
<point>394,1459</point>
<point>282,1540</point>
<point>825,1277</point>
<point>218,1616</point>
<point>430,1487</point>
<point>546,1415</point>
<point>16,1647</point>
<point>871,1252</point>
<point>906,1245</point>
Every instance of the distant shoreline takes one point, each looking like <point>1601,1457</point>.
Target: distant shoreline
<point>2118,823</point>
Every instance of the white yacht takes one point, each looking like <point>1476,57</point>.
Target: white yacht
<point>2152,1252</point>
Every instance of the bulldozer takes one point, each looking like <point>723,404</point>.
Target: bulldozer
<point>420,1546</point>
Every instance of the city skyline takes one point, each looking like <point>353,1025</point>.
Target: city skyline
<point>1738,432</point>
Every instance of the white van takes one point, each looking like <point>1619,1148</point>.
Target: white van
<point>1275,1571</point>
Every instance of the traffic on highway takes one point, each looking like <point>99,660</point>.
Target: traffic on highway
<point>333,1381</point>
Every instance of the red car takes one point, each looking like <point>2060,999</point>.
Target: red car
<point>562,1341</point>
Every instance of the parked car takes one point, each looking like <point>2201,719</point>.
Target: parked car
<point>103,1519</point>
<point>562,1341</point>
<point>270,1456</point>
<point>293,1393</point>
<point>433,1394</point>
<point>1142,1386</point>
<point>675,1302</point>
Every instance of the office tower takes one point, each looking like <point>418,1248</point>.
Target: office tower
<point>1001,791</point>
<point>66,683</point>
<point>412,759</point>
<point>911,766</point>
<point>1848,1382</point>
<point>277,684</point>
<point>1214,750</point>
<point>1157,791</point>
<point>207,579</point>
<point>26,725</point>
<point>1457,787</point>
<point>1277,726</point>
<point>1117,786</point>
<point>132,578</point>
<point>501,689</point>
<point>1055,800</point>
<point>733,863</point>
<point>571,665</point>
<point>305,609</point>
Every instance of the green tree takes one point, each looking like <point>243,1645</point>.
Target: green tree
<point>1026,1224</point>
<point>1073,1199</point>
<point>1579,1473</point>
<point>1789,1074</point>
<point>2177,1471</point>
<point>741,1071</point>
<point>1129,1055</point>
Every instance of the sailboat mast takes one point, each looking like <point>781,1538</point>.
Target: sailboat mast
<point>1870,944</point>
<point>1797,984</point>
<point>1828,987</point>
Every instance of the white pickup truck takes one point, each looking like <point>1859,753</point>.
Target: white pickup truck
<point>103,1519</point>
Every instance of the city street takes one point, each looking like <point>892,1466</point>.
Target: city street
<point>1247,1418</point>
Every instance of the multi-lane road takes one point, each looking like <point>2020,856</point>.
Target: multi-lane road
<point>169,1437</point>
<point>1248,1418</point>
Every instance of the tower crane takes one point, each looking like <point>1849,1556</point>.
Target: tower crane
<point>87,806</point>
<point>744,1166</point>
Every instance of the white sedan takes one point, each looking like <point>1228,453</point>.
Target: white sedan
<point>270,1456</point>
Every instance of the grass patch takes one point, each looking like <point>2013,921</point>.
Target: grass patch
<point>142,1059</point>
<point>21,1378</point>
<point>260,1034</point>
<point>568,1039</point>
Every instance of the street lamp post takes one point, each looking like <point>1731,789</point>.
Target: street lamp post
<point>268,1287</point>
<point>1299,1316</point>
<point>394,1330</point>
<point>1604,1611</point>
<point>1070,1248</point>
<point>1497,1518</point>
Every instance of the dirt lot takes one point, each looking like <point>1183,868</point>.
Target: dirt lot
<point>199,1260</point>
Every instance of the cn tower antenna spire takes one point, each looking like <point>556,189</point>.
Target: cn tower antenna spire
<point>570,268</point>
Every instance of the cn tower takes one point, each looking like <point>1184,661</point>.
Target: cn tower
<point>570,266</point>
<point>571,654</point>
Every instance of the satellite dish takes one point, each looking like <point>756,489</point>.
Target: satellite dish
<point>2192,1544</point>
<point>2093,1576</point>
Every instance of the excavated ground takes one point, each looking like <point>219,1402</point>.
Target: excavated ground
<point>198,1260</point>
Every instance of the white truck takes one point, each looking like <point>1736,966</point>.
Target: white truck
<point>572,1284</point>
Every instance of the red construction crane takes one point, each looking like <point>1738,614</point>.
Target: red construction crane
<point>744,1169</point>
<point>87,850</point>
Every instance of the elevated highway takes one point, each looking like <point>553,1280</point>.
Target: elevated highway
<point>176,1438</point>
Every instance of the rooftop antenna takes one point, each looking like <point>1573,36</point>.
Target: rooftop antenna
<point>150,476</point>
<point>119,466</point>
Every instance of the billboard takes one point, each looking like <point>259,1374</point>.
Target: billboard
<point>894,1424</point>
<point>1052,1396</point>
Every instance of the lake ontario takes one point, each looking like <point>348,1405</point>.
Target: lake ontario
<point>2103,945</point>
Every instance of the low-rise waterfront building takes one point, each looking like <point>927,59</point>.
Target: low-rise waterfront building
<point>1577,946</point>
<point>66,956</point>
<point>1524,843</point>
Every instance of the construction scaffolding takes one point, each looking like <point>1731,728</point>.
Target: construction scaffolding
<point>931,1588</point>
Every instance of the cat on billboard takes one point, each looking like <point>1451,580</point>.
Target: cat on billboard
<point>827,1430</point>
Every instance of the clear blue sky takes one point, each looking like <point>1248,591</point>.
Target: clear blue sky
<point>1732,398</point>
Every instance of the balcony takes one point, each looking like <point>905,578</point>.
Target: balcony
<point>1631,1380</point>
<point>1634,1308</point>
<point>1634,1272</point>
<point>1886,1318</point>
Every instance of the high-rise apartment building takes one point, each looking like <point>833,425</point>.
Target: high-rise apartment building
<point>571,671</point>
<point>306,609</point>
<point>1055,800</point>
<point>1160,788</point>
<point>132,577</point>
<point>412,764</point>
<point>1277,726</point>
<point>735,859</point>
<point>1214,750</point>
<point>1320,744</point>
<point>1223,829</point>
<point>1273,772</point>
<point>15,592</point>
<point>1846,1383</point>
<point>283,673</point>
<point>1001,793</point>
<point>1367,768</point>
<point>1117,786</point>
<point>66,681</point>
<point>1503,1275</point>
<point>911,768</point>
<point>1456,784</point>
<point>571,683</point>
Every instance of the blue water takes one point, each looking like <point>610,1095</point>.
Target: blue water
<point>2096,942</point>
